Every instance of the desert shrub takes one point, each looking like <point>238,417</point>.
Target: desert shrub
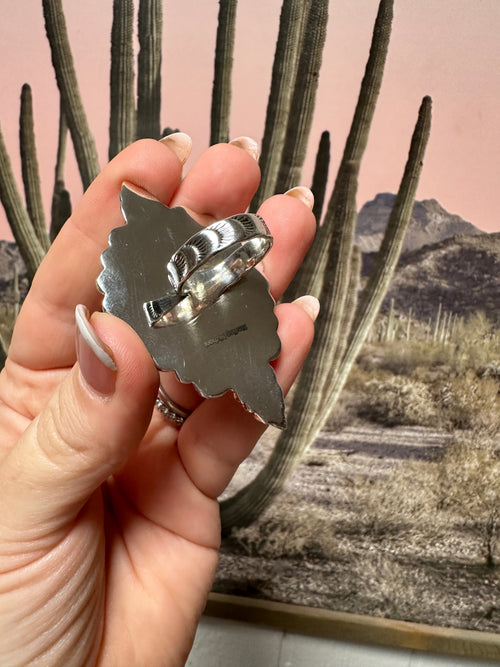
<point>398,401</point>
<point>404,357</point>
<point>468,484</point>
<point>402,504</point>
<point>469,403</point>
<point>291,530</point>
<point>422,505</point>
<point>368,367</point>
<point>343,413</point>
<point>476,342</point>
<point>490,370</point>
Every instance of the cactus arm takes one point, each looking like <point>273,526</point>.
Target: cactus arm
<point>314,267</point>
<point>349,310</point>
<point>370,85</point>
<point>122,94</point>
<point>437,323</point>
<point>390,329</point>
<point>320,174</point>
<point>245,506</point>
<point>149,69</point>
<point>304,97</point>
<point>317,390</point>
<point>62,142</point>
<point>221,91</point>
<point>303,277</point>
<point>29,168</point>
<point>60,209</point>
<point>17,216</point>
<point>390,249</point>
<point>62,61</point>
<point>61,204</point>
<point>286,59</point>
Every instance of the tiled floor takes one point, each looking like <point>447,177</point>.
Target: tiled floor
<point>225,643</point>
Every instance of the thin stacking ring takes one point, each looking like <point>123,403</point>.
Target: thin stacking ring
<point>170,409</point>
<point>208,263</point>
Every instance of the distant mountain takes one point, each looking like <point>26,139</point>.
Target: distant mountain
<point>429,224</point>
<point>462,273</point>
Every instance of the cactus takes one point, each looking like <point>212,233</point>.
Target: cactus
<point>122,97</point>
<point>62,60</point>
<point>320,174</point>
<point>390,331</point>
<point>19,220</point>
<point>312,272</point>
<point>390,250</point>
<point>333,266</point>
<point>16,293</point>
<point>30,171</point>
<point>221,92</point>
<point>318,188</point>
<point>435,335</point>
<point>304,97</point>
<point>286,59</point>
<point>408,324</point>
<point>149,69</point>
<point>326,369</point>
<point>61,202</point>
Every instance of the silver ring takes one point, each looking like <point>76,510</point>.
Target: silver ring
<point>170,409</point>
<point>207,264</point>
<point>246,239</point>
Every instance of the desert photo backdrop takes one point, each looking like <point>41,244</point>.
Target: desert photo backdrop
<point>391,508</point>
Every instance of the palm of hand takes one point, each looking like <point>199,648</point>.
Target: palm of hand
<point>108,547</point>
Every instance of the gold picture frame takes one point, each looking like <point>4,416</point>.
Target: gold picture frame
<point>355,628</point>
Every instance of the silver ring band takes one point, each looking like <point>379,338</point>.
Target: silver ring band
<point>207,264</point>
<point>238,233</point>
<point>170,409</point>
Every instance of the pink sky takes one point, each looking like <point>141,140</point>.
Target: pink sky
<point>447,49</point>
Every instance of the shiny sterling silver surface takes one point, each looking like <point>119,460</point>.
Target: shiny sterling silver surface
<point>221,336</point>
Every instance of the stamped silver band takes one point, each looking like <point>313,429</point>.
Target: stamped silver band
<point>207,264</point>
<point>170,409</point>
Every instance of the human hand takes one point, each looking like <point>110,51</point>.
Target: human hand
<point>109,522</point>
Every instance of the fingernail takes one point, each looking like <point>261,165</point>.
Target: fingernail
<point>97,365</point>
<point>309,304</point>
<point>180,143</point>
<point>304,194</point>
<point>248,145</point>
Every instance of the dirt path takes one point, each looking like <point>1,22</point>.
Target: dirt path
<point>350,533</point>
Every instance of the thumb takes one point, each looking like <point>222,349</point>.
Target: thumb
<point>92,423</point>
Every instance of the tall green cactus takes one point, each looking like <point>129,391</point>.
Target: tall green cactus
<point>327,367</point>
<point>62,60</point>
<point>221,91</point>
<point>318,188</point>
<point>320,174</point>
<point>122,95</point>
<point>310,279</point>
<point>304,97</point>
<point>61,202</point>
<point>149,69</point>
<point>29,167</point>
<point>286,60</point>
<point>345,317</point>
<point>389,252</point>
<point>332,274</point>
<point>17,215</point>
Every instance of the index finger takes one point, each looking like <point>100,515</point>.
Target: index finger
<point>44,333</point>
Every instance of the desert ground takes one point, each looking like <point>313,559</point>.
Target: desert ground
<point>392,522</point>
